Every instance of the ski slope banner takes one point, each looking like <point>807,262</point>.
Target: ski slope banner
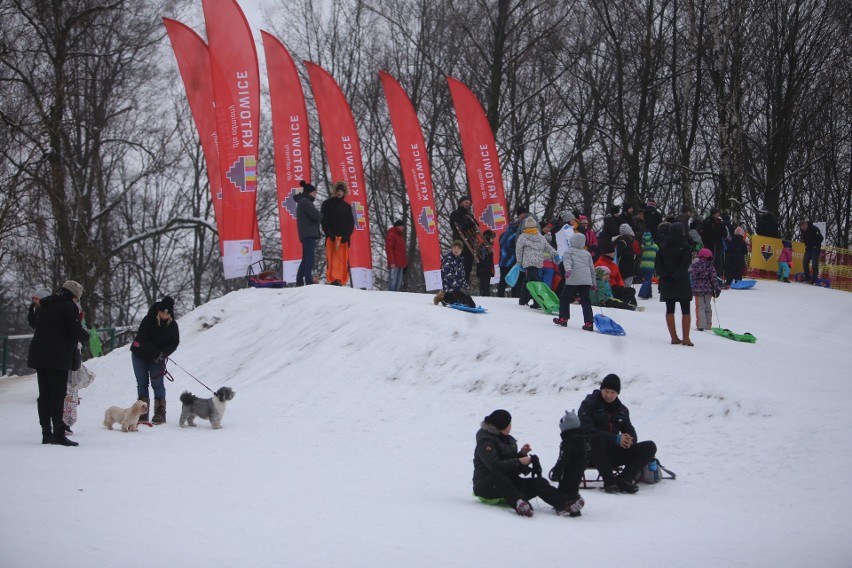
<point>236,91</point>
<point>193,62</point>
<point>765,251</point>
<point>417,175</point>
<point>290,134</point>
<point>343,149</point>
<point>482,164</point>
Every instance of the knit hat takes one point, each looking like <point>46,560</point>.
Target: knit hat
<point>74,287</point>
<point>567,217</point>
<point>625,229</point>
<point>612,382</point>
<point>739,231</point>
<point>706,254</point>
<point>306,187</point>
<point>650,203</point>
<point>530,223</point>
<point>500,419</point>
<point>41,292</point>
<point>787,244</point>
<point>458,244</point>
<point>463,198</point>
<point>569,422</point>
<point>399,223</point>
<point>614,210</point>
<point>167,304</point>
<point>521,209</point>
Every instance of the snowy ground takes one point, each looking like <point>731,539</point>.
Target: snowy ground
<point>350,440</point>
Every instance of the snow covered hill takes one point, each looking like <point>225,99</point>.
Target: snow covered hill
<point>350,440</point>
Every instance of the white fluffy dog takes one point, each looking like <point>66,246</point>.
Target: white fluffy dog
<point>127,417</point>
<point>212,409</point>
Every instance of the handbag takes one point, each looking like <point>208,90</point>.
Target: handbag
<point>513,275</point>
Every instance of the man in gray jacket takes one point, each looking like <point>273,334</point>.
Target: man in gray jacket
<point>308,219</point>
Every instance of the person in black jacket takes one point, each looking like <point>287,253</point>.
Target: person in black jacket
<point>337,223</point>
<point>573,456</point>
<point>735,257</point>
<point>157,338</point>
<point>713,235</point>
<point>308,220</point>
<point>812,238</point>
<point>612,438</point>
<point>498,466</point>
<point>462,220</point>
<point>672,265</point>
<point>767,224</point>
<point>653,218</point>
<point>58,330</point>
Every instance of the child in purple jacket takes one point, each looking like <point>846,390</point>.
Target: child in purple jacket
<point>705,287</point>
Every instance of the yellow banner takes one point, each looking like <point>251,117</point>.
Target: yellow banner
<point>765,251</point>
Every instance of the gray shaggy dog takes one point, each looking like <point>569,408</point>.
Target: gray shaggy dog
<point>212,409</point>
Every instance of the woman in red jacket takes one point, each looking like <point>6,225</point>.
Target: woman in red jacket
<point>397,260</point>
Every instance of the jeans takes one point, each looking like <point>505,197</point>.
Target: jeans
<point>145,370</point>
<point>530,275</point>
<point>811,260</point>
<point>567,296</point>
<point>304,275</point>
<point>395,279</point>
<point>646,291</point>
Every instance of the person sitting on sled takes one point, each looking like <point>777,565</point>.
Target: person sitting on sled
<point>705,287</point>
<point>602,296</point>
<point>612,438</point>
<point>498,465</point>
<point>455,289</point>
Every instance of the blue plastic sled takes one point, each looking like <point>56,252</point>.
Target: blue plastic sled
<point>513,275</point>
<point>607,326</point>
<point>462,307</point>
<point>743,284</point>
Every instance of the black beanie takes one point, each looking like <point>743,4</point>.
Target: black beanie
<point>167,304</point>
<point>306,187</point>
<point>612,382</point>
<point>399,223</point>
<point>464,198</point>
<point>500,419</point>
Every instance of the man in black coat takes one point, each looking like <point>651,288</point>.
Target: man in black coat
<point>612,438</point>
<point>58,330</point>
<point>462,220</point>
<point>498,466</point>
<point>653,218</point>
<point>812,238</point>
<point>767,224</point>
<point>337,222</point>
<point>308,220</point>
<point>713,234</point>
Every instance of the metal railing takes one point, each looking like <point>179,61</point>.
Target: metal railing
<point>112,332</point>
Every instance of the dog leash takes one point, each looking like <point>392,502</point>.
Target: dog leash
<point>169,359</point>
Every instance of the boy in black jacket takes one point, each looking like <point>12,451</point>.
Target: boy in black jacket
<point>612,438</point>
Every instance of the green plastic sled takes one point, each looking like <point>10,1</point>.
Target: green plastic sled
<point>744,337</point>
<point>546,298</point>
<point>497,501</point>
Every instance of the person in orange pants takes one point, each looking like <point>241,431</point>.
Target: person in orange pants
<point>338,223</point>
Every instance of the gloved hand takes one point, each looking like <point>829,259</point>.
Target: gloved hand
<point>594,287</point>
<point>557,259</point>
<point>567,274</point>
<point>160,358</point>
<point>536,465</point>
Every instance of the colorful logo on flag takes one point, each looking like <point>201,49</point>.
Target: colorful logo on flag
<point>360,217</point>
<point>766,252</point>
<point>289,204</point>
<point>243,174</point>
<point>427,220</point>
<point>494,217</point>
<point>244,250</point>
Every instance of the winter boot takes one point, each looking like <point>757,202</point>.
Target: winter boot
<point>159,411</point>
<point>588,326</point>
<point>523,508</point>
<point>561,322</point>
<point>46,435</point>
<point>625,486</point>
<point>670,322</point>
<point>572,507</point>
<point>686,322</point>
<point>60,439</point>
<point>144,417</point>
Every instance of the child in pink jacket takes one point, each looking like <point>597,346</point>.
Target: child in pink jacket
<point>785,262</point>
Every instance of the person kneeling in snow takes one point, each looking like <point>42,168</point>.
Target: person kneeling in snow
<point>498,466</point>
<point>455,290</point>
<point>612,438</point>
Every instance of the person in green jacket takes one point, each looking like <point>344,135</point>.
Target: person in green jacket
<point>602,294</point>
<point>649,257</point>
